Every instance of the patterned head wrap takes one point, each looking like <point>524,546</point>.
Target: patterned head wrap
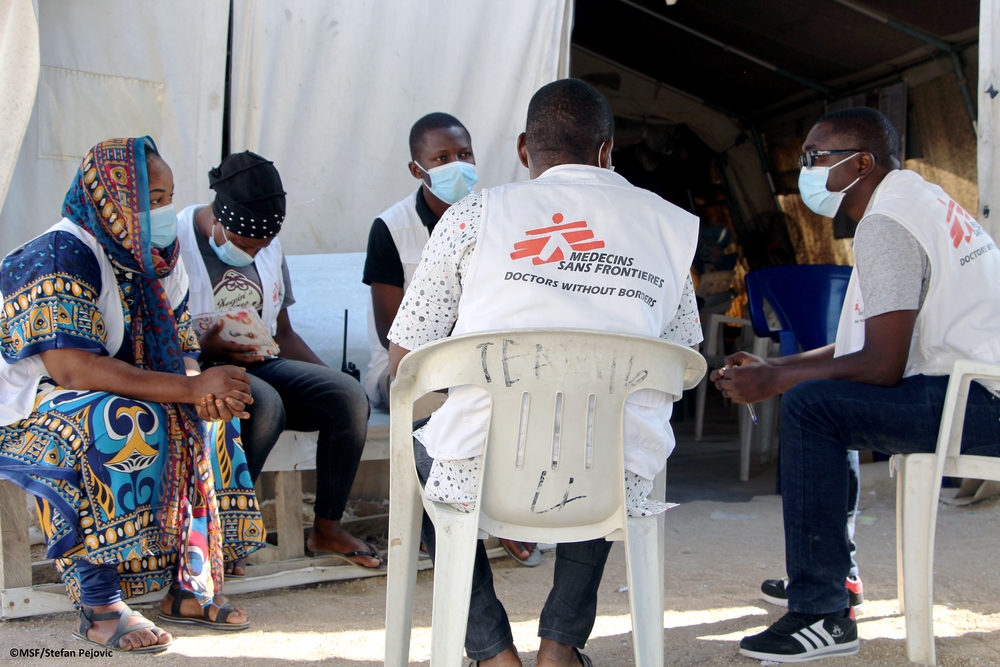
<point>110,199</point>
<point>249,200</point>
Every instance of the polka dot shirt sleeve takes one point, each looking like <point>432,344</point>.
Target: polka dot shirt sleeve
<point>685,328</point>
<point>430,306</point>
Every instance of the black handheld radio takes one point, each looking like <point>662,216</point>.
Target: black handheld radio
<point>345,365</point>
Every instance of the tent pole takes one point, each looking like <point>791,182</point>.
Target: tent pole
<point>920,35</point>
<point>988,146</point>
<point>762,154</point>
<point>227,100</point>
<point>566,40</point>
<point>963,87</point>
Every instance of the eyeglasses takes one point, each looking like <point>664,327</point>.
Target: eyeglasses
<point>807,160</point>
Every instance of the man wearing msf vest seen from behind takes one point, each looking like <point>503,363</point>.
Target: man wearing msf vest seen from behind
<point>922,295</point>
<point>515,257</point>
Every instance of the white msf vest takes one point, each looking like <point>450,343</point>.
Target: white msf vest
<point>267,261</point>
<point>409,233</point>
<point>19,381</point>
<point>578,247</point>
<point>960,318</point>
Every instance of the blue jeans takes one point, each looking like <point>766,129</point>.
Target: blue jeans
<point>570,610</point>
<point>822,421</point>
<point>301,396</point>
<point>99,584</point>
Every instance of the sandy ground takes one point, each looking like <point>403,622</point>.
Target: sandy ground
<point>717,553</point>
<point>722,541</point>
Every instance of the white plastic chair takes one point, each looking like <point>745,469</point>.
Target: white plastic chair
<point>715,356</point>
<point>553,468</point>
<point>917,492</point>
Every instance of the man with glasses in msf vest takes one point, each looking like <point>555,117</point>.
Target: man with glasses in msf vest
<point>922,295</point>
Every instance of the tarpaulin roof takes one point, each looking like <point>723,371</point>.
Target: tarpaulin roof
<point>749,56</point>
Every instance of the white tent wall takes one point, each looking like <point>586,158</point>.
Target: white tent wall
<point>19,61</point>
<point>641,98</point>
<point>988,154</point>
<point>328,90</point>
<point>113,69</point>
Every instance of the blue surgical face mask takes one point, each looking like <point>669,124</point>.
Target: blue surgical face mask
<point>450,182</point>
<point>812,187</point>
<point>228,252</point>
<point>162,226</point>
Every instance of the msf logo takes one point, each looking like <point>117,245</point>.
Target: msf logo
<point>556,242</point>
<point>959,221</point>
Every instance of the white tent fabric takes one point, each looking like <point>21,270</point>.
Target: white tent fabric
<point>18,81</point>
<point>113,69</point>
<point>989,118</point>
<point>329,90</point>
<point>640,98</point>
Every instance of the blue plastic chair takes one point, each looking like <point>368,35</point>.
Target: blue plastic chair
<point>806,299</point>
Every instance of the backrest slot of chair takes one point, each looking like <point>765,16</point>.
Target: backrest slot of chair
<point>522,431</point>
<point>588,462</point>
<point>557,430</point>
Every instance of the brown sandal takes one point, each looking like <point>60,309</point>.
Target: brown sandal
<point>220,617</point>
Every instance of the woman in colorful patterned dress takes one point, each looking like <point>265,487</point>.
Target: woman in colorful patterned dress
<point>133,456</point>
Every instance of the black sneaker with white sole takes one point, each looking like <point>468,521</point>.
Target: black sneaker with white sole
<point>803,637</point>
<point>773,591</point>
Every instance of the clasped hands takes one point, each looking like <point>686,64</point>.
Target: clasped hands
<point>229,397</point>
<point>224,393</point>
<point>746,378</point>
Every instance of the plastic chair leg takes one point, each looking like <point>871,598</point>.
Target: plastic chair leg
<point>899,465</point>
<point>746,441</point>
<point>645,588</point>
<point>405,512</point>
<point>767,412</point>
<point>699,409</point>
<point>660,493</point>
<point>454,559</point>
<point>918,556</point>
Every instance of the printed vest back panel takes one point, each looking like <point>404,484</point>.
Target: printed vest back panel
<point>578,247</point>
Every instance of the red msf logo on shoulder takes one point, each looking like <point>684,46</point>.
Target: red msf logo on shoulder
<point>555,242</point>
<point>959,221</point>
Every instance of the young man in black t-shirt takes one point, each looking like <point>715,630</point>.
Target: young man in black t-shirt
<point>443,162</point>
